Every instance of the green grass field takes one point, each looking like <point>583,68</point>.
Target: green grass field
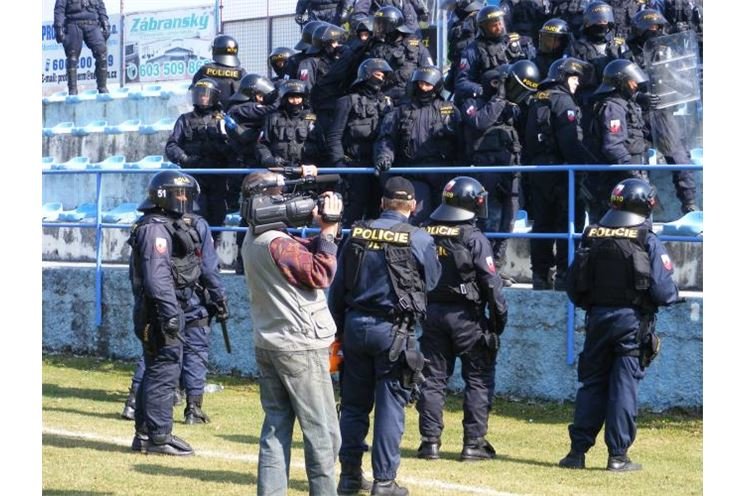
<point>86,446</point>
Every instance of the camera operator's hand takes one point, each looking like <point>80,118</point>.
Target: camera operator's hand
<point>332,208</point>
<point>308,170</point>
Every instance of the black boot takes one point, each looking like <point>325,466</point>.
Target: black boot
<point>477,449</point>
<point>560,281</point>
<point>541,282</point>
<point>574,459</point>
<point>429,449</point>
<point>193,413</point>
<point>129,406</point>
<point>101,75</point>
<point>168,444</point>
<point>388,487</point>
<point>72,80</point>
<point>622,463</point>
<point>689,207</point>
<point>352,479</point>
<point>141,440</point>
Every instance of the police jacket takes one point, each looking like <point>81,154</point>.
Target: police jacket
<point>323,10</point>
<point>228,79</point>
<point>363,278</point>
<point>553,134</point>
<point>292,64</point>
<point>409,8</point>
<point>469,275</point>
<point>623,14</point>
<point>404,56</point>
<point>526,16</point>
<point>415,133</point>
<point>572,11</point>
<point>490,131</point>
<point>249,117</point>
<point>621,267</point>
<point>484,53</point>
<point>67,11</point>
<point>311,69</point>
<point>598,55</point>
<point>618,128</point>
<point>197,141</point>
<point>290,137</point>
<point>462,30</point>
<point>172,265</point>
<point>353,131</point>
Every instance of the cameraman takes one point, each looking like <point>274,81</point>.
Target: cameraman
<point>293,329</point>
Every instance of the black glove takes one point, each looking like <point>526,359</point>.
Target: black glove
<point>497,323</point>
<point>59,34</point>
<point>171,326</point>
<point>221,310</point>
<point>190,160</point>
<point>383,164</point>
<point>276,162</point>
<point>648,101</point>
<point>105,30</point>
<point>509,113</point>
<point>300,19</point>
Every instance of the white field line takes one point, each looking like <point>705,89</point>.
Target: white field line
<point>222,455</point>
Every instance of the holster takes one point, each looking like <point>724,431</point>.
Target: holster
<point>649,342</point>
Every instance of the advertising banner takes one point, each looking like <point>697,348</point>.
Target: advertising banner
<point>53,60</point>
<point>167,45</point>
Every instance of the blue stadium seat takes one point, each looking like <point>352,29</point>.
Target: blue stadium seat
<point>180,88</point>
<point>58,129</point>
<point>50,211</point>
<point>128,126</point>
<point>149,162</point>
<point>84,211</point>
<point>92,127</point>
<point>126,213</point>
<point>164,124</point>
<point>56,97</point>
<point>85,95</point>
<point>522,224</point>
<point>232,219</point>
<point>691,224</point>
<point>114,94</point>
<point>47,163</point>
<point>169,165</point>
<point>75,163</point>
<point>697,156</point>
<point>113,162</point>
<point>151,90</point>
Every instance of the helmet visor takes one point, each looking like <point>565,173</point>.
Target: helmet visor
<point>180,200</point>
<point>203,96</point>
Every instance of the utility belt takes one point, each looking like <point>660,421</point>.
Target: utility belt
<point>648,341</point>
<point>411,360</point>
<point>84,22</point>
<point>204,322</point>
<point>388,315</point>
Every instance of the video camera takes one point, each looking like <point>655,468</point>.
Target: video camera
<point>293,207</point>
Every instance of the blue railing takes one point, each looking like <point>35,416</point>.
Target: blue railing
<point>569,235</point>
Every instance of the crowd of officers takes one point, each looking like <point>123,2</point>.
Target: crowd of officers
<point>372,97</point>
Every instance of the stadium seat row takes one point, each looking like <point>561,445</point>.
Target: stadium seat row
<point>101,126</point>
<point>148,91</point>
<point>114,162</point>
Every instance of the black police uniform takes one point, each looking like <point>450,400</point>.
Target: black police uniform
<point>483,54</point>
<point>405,55</point>
<point>424,133</point>
<point>78,21</point>
<point>373,279</point>
<point>685,15</point>
<point>462,30</point>
<point>456,326</point>
<point>228,79</point>
<point>572,11</point>
<point>411,10</point>
<point>172,265</point>
<point>288,137</point>
<point>332,11</point>
<point>618,132</point>
<point>526,17</point>
<point>630,275</point>
<point>350,141</point>
<point>553,135</point>
<point>197,141</point>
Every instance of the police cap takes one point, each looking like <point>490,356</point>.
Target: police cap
<point>398,188</point>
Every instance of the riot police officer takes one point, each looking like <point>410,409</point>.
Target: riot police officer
<point>492,47</point>
<point>225,69</point>
<point>394,42</point>
<point>617,130</point>
<point>289,135</point>
<point>332,11</point>
<point>572,11</point>
<point>553,135</point>
<point>423,131</point>
<point>326,44</point>
<point>174,274</point>
<point>456,323</point>
<point>78,21</point>
<point>623,13</point>
<point>620,276</point>
<point>491,138</point>
<point>462,30</point>
<point>385,269</point>
<point>647,25</point>
<point>553,39</point>
<point>412,11</point>
<point>278,61</point>
<point>685,15</point>
<point>525,17</point>
<point>199,140</point>
<point>302,46</point>
<point>352,134</point>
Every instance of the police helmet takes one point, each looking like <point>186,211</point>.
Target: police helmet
<point>362,23</point>
<point>462,5</point>
<point>598,13</point>
<point>324,35</point>
<point>387,20</point>
<point>252,85</point>
<point>172,191</point>
<point>645,20</point>
<point>562,69</point>
<point>631,203</point>
<point>306,36</point>
<point>522,79</point>
<point>429,74</point>
<point>463,198</point>
<point>293,87</point>
<point>225,50</point>
<point>553,37</point>
<point>368,67</point>
<point>208,87</point>
<point>279,55</point>
<point>489,14</point>
<point>617,75</point>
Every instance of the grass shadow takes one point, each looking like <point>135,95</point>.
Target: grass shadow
<point>222,476</point>
<point>74,492</point>
<point>103,415</point>
<point>74,442</point>
<point>55,391</point>
<point>249,439</point>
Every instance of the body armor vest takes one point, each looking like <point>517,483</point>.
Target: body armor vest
<point>288,135</point>
<point>458,280</point>
<point>635,143</point>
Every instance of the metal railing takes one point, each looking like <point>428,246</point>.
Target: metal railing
<point>570,235</point>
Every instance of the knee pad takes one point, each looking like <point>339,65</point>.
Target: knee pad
<point>72,61</point>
